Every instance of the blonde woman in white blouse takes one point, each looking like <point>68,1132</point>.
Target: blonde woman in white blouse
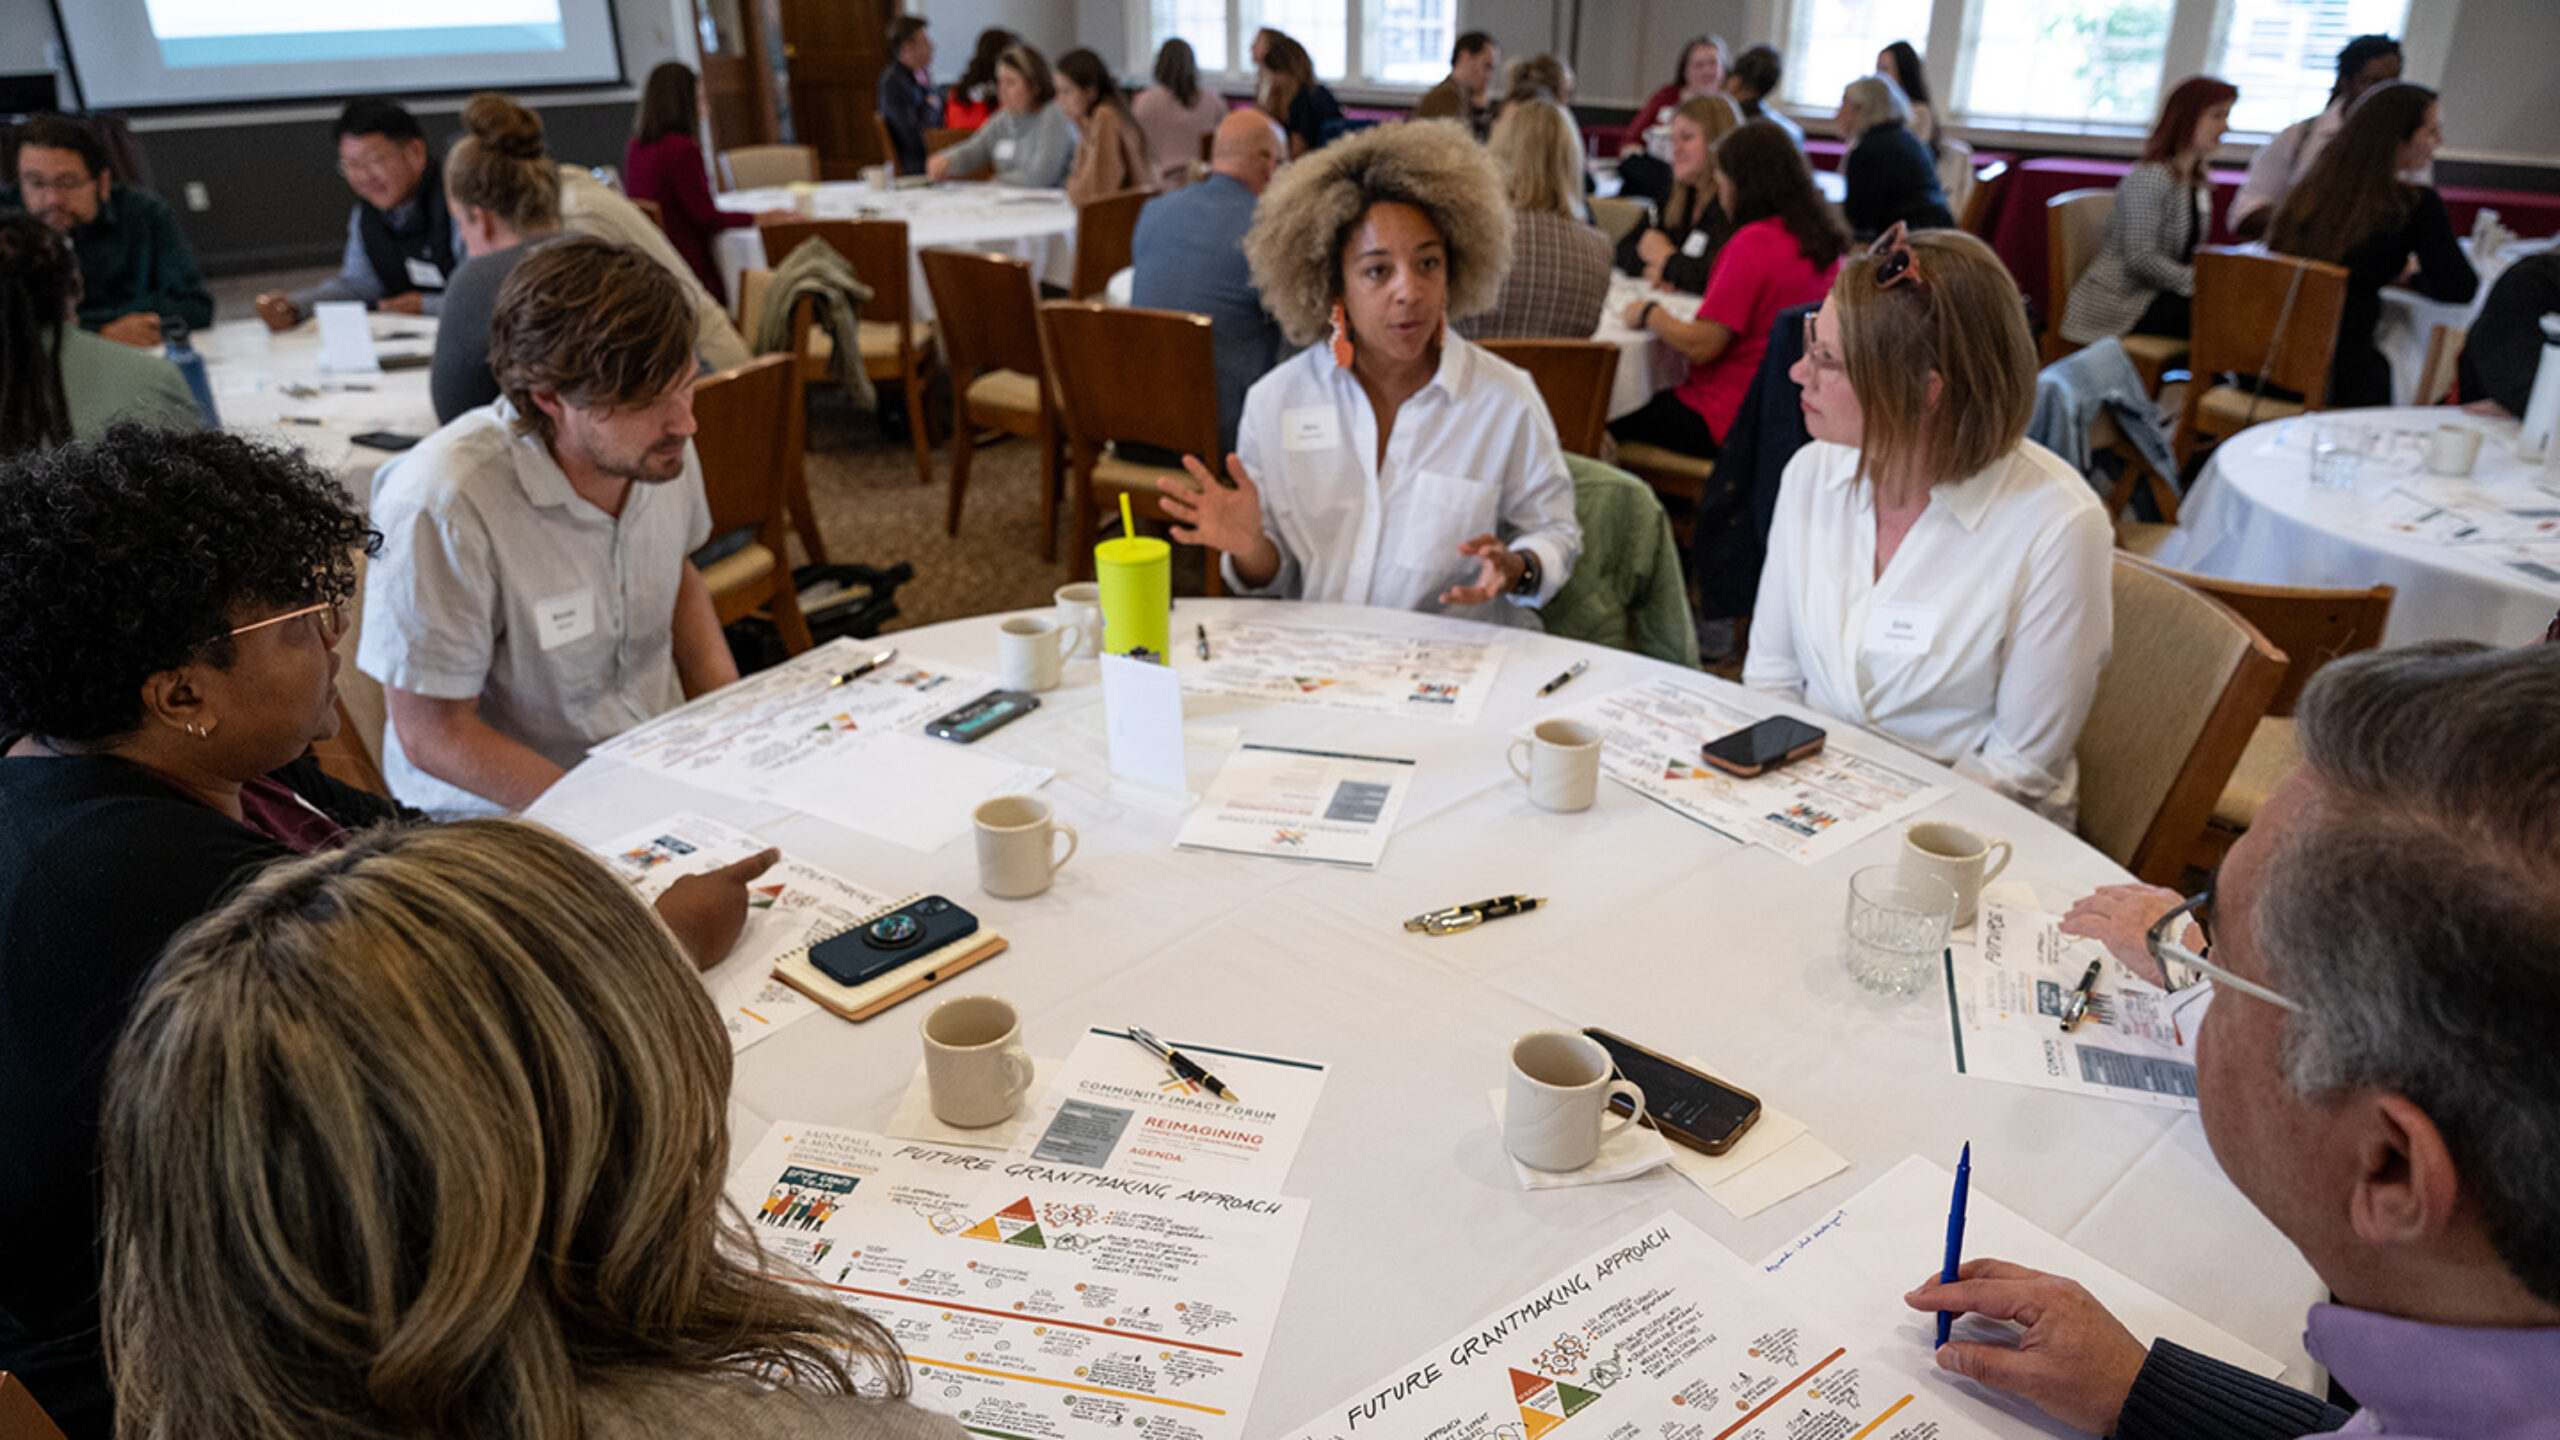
<point>1932,574</point>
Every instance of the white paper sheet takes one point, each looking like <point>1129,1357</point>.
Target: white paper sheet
<point>2451,513</point>
<point>1117,1108</point>
<point>1661,1333</point>
<point>918,792</point>
<point>1295,804</point>
<point>1773,1160</point>
<point>2005,994</point>
<point>346,339</point>
<point>1029,1300</point>
<point>1650,735</point>
<point>1434,679</point>
<point>1142,721</point>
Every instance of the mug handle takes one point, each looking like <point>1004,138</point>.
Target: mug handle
<point>1991,872</point>
<point>1017,1063</point>
<point>1635,1096</point>
<point>1072,642</point>
<point>1062,828</point>
<point>1512,756</point>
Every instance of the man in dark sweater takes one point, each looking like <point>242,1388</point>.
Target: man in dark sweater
<point>2375,1073</point>
<point>909,105</point>
<point>135,266</point>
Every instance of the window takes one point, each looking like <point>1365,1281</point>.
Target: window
<point>2283,53</point>
<point>2067,60</point>
<point>1202,22</point>
<point>1323,26</point>
<point>1403,43</point>
<point>1407,42</point>
<point>1835,42</point>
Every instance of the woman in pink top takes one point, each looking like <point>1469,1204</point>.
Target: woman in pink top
<point>1177,113</point>
<point>1784,251</point>
<point>662,163</point>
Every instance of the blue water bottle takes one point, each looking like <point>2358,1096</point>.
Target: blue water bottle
<point>182,353</point>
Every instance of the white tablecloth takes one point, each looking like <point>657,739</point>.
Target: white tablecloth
<point>1646,363</point>
<point>2409,318</point>
<point>1658,929</point>
<point>1038,225</point>
<point>267,383</point>
<point>2255,515</point>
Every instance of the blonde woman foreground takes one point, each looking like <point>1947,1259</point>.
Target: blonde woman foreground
<point>393,1147</point>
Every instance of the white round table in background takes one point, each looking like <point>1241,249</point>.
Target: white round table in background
<point>1038,225</point>
<point>1646,362</point>
<point>2255,515</point>
<point>1657,929</point>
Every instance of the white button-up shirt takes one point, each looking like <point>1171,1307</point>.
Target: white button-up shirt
<point>1979,647</point>
<point>498,580</point>
<point>1473,453</point>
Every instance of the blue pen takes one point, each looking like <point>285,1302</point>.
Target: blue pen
<point>1955,1235</point>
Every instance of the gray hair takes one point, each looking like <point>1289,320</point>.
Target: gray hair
<point>1878,99</point>
<point>2417,920</point>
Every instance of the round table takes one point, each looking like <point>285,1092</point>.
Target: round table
<point>2409,319</point>
<point>2255,515</point>
<point>1038,225</point>
<point>1646,361</point>
<point>270,384</point>
<point>1658,929</point>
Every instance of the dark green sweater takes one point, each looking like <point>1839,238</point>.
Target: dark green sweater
<point>133,259</point>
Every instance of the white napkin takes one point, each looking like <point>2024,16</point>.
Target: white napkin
<point>1773,1160</point>
<point>1623,1156</point>
<point>914,1120</point>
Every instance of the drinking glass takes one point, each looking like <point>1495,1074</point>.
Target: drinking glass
<point>1897,926</point>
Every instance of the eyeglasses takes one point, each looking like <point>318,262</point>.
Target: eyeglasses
<point>2183,969</point>
<point>332,620</point>
<point>1818,357</point>
<point>1894,261</point>
<point>56,184</point>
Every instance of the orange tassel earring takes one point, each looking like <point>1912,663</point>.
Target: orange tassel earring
<point>1341,339</point>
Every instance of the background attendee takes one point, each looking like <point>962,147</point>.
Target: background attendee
<point>58,382</point>
<point>1559,275</point>
<point>1700,71</point>
<point>505,194</point>
<point>2354,209</point>
<point>135,265</point>
<point>1676,247</point>
<point>909,105</point>
<point>2283,162</point>
<point>2143,280</point>
<point>1028,141</point>
<point>1370,247</point>
<point>476,1190</point>
<point>2505,348</point>
<point>1287,86</point>
<point>2374,1073</point>
<point>1111,151</point>
<point>1465,94</point>
<point>532,596</point>
<point>662,162</point>
<point>1188,254</point>
<point>1177,113</point>
<point>1921,491</point>
<point>1784,251</point>
<point>402,248</point>
<point>1889,173</point>
<point>1899,63</point>
<point>972,100</point>
<point>1751,82</point>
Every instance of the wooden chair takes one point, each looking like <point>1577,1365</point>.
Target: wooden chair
<point>1104,226</point>
<point>2278,313</point>
<point>815,352</point>
<point>2312,627</point>
<point>989,313</point>
<point>940,139</point>
<point>656,213</point>
<point>1616,218</point>
<point>21,1418</point>
<point>754,167</point>
<point>887,142</point>
<point>1987,182</point>
<point>2186,683</point>
<point>1681,481</point>
<point>2076,224</point>
<point>742,428</point>
<point>1093,350</point>
<point>353,756</point>
<point>1574,378</point>
<point>2444,359</point>
<point>2142,537</point>
<point>1955,172</point>
<point>894,346</point>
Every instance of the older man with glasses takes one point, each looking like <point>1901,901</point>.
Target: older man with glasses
<point>2377,1073</point>
<point>402,241</point>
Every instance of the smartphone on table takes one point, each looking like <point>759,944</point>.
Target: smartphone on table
<point>982,717</point>
<point>1681,1101</point>
<point>1757,749</point>
<point>872,950</point>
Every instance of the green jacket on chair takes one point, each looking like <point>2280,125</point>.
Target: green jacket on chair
<point>1626,589</point>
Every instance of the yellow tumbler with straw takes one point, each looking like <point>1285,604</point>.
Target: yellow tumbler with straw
<point>1136,573</point>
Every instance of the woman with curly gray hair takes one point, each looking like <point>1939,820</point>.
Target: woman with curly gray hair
<point>1397,464</point>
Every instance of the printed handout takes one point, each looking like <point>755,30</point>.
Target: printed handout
<point>1117,1107</point>
<point>1300,805</point>
<point>2005,997</point>
<point>1437,678</point>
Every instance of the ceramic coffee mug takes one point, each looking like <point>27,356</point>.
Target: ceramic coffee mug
<point>1563,768</point>
<point>1957,856</point>
<point>2453,450</point>
<point>1016,855</point>
<point>1080,609</point>
<point>975,1068</point>
<point>1556,1101</point>
<point>1031,649</point>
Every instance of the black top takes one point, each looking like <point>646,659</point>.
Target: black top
<point>2359,376</point>
<point>101,863</point>
<point>460,379</point>
<point>2189,1396</point>
<point>1683,271</point>
<point>1314,116</point>
<point>2505,348</point>
<point>421,230</point>
<point>909,108</point>
<point>1892,178</point>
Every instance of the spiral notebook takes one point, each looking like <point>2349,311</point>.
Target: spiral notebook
<point>861,1002</point>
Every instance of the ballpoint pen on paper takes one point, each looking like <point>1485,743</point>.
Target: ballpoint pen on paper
<point>865,668</point>
<point>1183,1065</point>
<point>1558,683</point>
<point>1955,1235</point>
<point>1472,914</point>
<point>2076,1009</point>
<point>1204,640</point>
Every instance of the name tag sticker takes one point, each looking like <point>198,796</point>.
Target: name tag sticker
<point>424,274</point>
<point>564,618</point>
<point>1310,427</point>
<point>1902,629</point>
<point>1004,152</point>
<point>1695,245</point>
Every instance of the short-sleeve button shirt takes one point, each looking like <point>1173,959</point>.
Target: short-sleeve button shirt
<point>498,580</point>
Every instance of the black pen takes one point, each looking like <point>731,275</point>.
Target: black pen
<point>1204,640</point>
<point>2077,1008</point>
<point>1468,917</point>
<point>1183,1065</point>
<point>865,668</point>
<point>1564,679</point>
